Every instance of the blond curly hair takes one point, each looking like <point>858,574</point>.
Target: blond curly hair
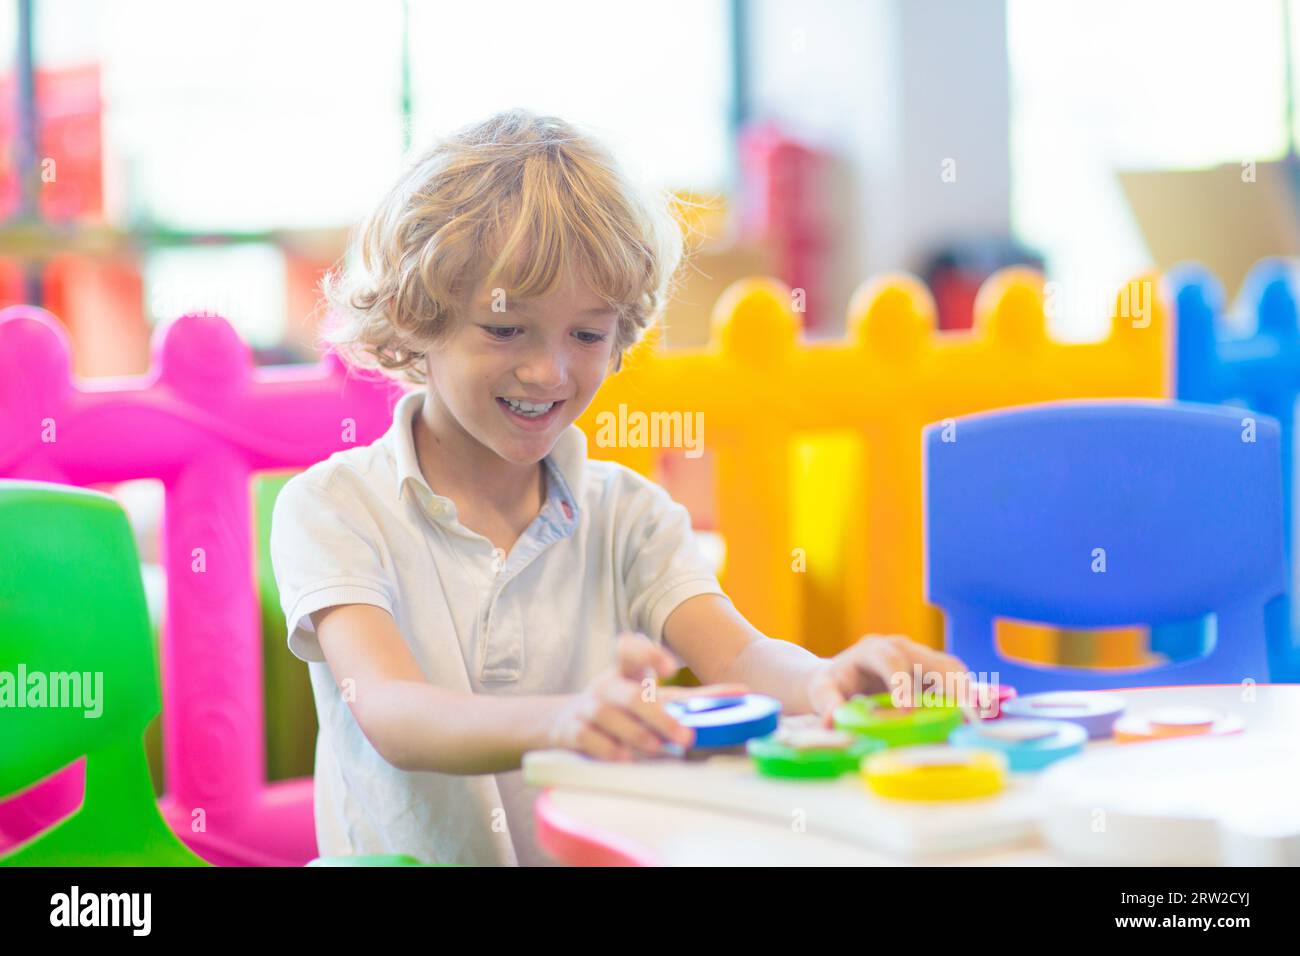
<point>532,193</point>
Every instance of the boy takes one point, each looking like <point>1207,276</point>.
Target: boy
<point>470,586</point>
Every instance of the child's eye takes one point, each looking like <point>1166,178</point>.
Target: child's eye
<point>502,332</point>
<point>590,338</point>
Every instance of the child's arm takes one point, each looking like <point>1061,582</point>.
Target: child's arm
<point>676,595</point>
<point>417,726</point>
<point>718,644</point>
<point>714,639</point>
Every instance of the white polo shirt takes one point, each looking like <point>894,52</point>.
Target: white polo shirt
<point>609,551</point>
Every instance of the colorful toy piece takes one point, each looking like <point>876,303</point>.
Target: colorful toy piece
<point>935,773</point>
<point>876,716</point>
<point>805,751</point>
<point>1028,744</point>
<point>726,721</point>
<point>1170,722</point>
<point>990,698</point>
<point>1094,712</point>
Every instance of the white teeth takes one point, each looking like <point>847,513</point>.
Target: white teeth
<point>528,408</point>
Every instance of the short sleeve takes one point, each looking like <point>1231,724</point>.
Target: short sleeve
<point>325,551</point>
<point>664,565</point>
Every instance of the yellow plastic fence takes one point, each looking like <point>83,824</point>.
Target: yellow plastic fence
<point>815,446</point>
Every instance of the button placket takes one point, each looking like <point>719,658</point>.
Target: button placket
<point>485,614</point>
<point>508,646</point>
<point>545,531</point>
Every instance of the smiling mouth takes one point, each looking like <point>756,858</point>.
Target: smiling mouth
<point>525,409</point>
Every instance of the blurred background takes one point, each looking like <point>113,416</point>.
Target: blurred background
<point>161,157</point>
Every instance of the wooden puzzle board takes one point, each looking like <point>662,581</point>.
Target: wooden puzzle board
<point>1137,786</point>
<point>842,808</point>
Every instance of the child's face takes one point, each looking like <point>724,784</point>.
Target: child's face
<point>553,350</point>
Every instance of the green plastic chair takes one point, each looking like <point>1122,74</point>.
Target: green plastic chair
<point>71,602</point>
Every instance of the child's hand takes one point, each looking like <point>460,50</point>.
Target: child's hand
<point>879,664</point>
<point>622,712</point>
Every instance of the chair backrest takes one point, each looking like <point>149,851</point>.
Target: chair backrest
<point>77,678</point>
<point>1105,514</point>
<point>73,621</point>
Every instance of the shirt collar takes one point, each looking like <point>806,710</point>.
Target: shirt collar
<point>566,462</point>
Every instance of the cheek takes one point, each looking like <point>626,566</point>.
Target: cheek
<point>461,383</point>
<point>594,368</point>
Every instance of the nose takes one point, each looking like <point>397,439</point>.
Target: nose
<point>545,370</point>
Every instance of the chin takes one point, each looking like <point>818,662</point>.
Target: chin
<point>525,451</point>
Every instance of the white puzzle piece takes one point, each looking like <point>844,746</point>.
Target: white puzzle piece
<point>1197,801</point>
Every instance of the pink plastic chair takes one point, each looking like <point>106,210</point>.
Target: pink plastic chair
<point>202,421</point>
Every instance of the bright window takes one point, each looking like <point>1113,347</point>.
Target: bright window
<point>653,79</point>
<point>1111,84</point>
<point>249,115</point>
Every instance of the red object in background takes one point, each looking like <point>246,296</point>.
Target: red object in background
<point>956,271</point>
<point>98,298</point>
<point>304,307</point>
<point>691,482</point>
<point>101,303</point>
<point>68,112</point>
<point>11,283</point>
<point>783,207</point>
<point>954,298</point>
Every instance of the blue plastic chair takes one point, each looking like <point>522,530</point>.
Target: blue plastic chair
<point>1187,514</point>
<point>1262,371</point>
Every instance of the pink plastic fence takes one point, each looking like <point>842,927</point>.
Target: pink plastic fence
<point>202,421</point>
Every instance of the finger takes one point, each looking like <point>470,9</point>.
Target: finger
<point>652,713</point>
<point>647,708</point>
<point>627,729</point>
<point>680,734</point>
<point>825,697</point>
<point>639,657</point>
<point>938,659</point>
<point>594,742</point>
<point>872,662</point>
<point>576,734</point>
<point>944,669</point>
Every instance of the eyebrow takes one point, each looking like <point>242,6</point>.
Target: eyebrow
<point>524,306</point>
